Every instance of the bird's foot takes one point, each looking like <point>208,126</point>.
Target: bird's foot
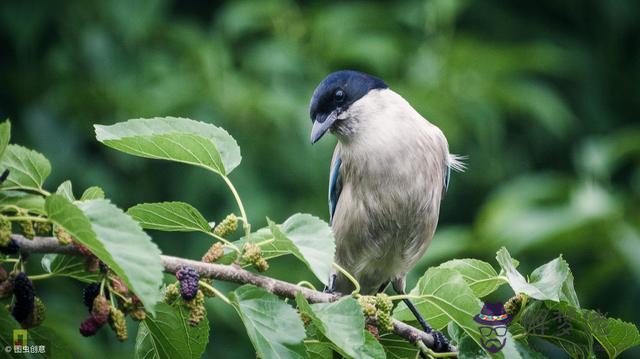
<point>440,343</point>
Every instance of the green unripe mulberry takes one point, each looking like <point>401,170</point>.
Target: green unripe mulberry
<point>5,231</point>
<point>227,226</point>
<point>118,324</point>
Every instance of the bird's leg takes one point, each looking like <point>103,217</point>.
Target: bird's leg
<point>331,286</point>
<point>440,342</point>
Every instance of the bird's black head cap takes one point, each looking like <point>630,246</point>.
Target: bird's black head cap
<point>340,89</point>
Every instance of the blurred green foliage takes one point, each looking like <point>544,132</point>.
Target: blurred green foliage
<point>541,96</point>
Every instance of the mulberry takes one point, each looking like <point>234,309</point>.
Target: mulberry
<point>214,253</point>
<point>188,278</point>
<point>118,324</point>
<point>5,231</point>
<point>42,228</point>
<point>227,226</point>
<point>37,315</point>
<point>384,321</point>
<point>11,248</point>
<point>63,236</point>
<point>368,304</point>
<point>138,314</point>
<point>198,310</point>
<point>171,293</point>
<point>383,302</point>
<point>27,229</point>
<point>90,327</point>
<point>90,293</point>
<point>117,285</point>
<point>100,310</point>
<point>252,253</point>
<point>25,295</point>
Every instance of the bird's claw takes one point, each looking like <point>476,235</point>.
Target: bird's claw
<point>440,343</point>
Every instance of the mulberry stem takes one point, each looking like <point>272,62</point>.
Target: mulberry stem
<point>215,291</point>
<point>41,276</point>
<point>245,222</point>
<point>349,277</point>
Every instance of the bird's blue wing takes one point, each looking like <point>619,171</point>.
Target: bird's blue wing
<point>335,185</point>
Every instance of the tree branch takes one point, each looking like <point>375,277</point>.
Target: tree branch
<point>227,273</point>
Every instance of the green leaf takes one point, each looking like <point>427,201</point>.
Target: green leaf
<point>311,241</point>
<point>545,282</point>
<point>319,350</point>
<point>479,275</point>
<point>275,329</point>
<point>568,292</point>
<point>66,189</point>
<point>468,348</point>
<point>93,192</point>
<point>169,216</point>
<point>116,239</point>
<point>175,139</point>
<point>168,335</point>
<point>342,323</point>
<point>444,296</point>
<point>397,347</point>
<point>614,335</point>
<point>560,324</point>
<point>372,348</point>
<point>28,169</point>
<point>5,137</point>
<point>67,266</point>
<point>32,202</point>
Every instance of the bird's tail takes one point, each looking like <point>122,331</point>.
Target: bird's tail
<point>456,162</point>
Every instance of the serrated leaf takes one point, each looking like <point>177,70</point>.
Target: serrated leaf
<point>311,241</point>
<point>116,239</point>
<point>560,324</point>
<point>5,137</point>
<point>169,336</point>
<point>481,277</point>
<point>32,202</point>
<point>169,216</point>
<point>545,282</point>
<point>275,329</point>
<point>93,192</point>
<point>67,266</point>
<point>372,348</point>
<point>28,169</point>
<point>66,189</point>
<point>319,350</point>
<point>397,347</point>
<point>175,139</point>
<point>342,323</point>
<point>614,335</point>
<point>568,292</point>
<point>444,297</point>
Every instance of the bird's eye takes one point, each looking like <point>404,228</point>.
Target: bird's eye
<point>339,95</point>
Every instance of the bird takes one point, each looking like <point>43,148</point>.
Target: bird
<point>389,172</point>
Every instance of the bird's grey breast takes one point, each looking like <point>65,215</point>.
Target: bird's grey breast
<point>391,177</point>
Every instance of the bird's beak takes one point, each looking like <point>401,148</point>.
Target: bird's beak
<point>321,124</point>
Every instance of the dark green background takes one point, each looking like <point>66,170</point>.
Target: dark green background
<point>542,97</point>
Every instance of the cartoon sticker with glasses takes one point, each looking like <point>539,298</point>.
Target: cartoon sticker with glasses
<point>493,320</point>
